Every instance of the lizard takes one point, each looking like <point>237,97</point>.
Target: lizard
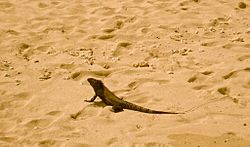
<point>117,103</point>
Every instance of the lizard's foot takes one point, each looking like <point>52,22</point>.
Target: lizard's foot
<point>87,101</point>
<point>117,108</point>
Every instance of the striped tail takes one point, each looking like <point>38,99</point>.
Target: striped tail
<point>135,107</point>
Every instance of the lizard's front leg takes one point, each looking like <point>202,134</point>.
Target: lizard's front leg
<point>92,99</point>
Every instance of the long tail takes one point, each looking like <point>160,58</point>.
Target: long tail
<point>135,107</point>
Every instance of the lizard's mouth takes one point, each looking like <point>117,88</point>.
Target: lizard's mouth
<point>91,80</point>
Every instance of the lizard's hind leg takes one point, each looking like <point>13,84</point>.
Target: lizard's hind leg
<point>117,108</point>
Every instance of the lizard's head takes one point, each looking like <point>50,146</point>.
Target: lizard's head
<point>96,84</point>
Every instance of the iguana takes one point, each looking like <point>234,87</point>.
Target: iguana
<point>117,103</point>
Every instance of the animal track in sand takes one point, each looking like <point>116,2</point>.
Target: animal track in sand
<point>199,77</point>
<point>234,73</point>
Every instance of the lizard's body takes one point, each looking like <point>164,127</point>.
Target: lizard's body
<point>118,104</point>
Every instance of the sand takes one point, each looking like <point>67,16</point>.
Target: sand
<point>188,56</point>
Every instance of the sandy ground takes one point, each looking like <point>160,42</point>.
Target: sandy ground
<point>188,55</point>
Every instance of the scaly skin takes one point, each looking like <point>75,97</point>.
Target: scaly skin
<point>118,104</point>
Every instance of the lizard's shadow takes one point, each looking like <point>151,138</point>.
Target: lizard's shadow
<point>98,104</point>
<point>95,104</point>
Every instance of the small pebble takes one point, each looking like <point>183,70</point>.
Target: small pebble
<point>170,72</point>
<point>201,50</point>
<point>212,29</point>
<point>6,75</point>
<point>36,61</point>
<point>223,90</point>
<point>141,64</point>
<point>235,100</point>
<point>138,126</point>
<point>106,66</point>
<point>11,68</point>
<point>66,78</point>
<point>222,31</point>
<point>18,82</point>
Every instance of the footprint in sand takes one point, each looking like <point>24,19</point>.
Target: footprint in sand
<point>192,79</point>
<point>234,74</point>
<point>229,75</point>
<point>223,90</point>
<point>105,36</point>
<point>98,73</point>
<point>226,92</point>
<point>121,49</point>
<point>244,57</point>
<point>207,72</point>
<point>200,78</point>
